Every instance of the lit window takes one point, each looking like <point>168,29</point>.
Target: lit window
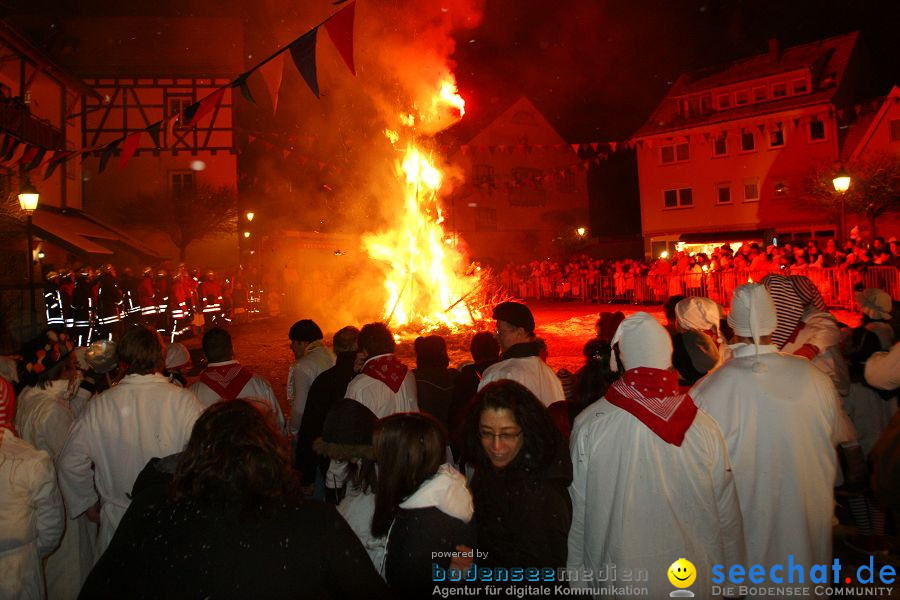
<point>723,193</point>
<point>751,191</point>
<point>816,129</point>
<point>779,90</point>
<point>748,141</point>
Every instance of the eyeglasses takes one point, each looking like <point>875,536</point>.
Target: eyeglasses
<point>506,437</point>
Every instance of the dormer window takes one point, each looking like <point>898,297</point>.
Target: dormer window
<point>779,90</point>
<point>723,101</point>
<point>799,86</point>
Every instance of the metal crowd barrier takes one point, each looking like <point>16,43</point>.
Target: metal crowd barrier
<point>836,285</point>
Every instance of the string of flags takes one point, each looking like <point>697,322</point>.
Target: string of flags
<point>339,26</point>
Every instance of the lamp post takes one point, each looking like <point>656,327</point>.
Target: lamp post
<point>28,202</point>
<point>841,183</point>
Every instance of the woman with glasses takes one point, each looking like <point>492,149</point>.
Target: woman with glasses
<point>522,472</point>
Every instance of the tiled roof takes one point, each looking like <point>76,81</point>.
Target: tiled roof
<point>825,59</point>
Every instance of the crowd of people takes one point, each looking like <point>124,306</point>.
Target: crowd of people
<point>837,271</point>
<point>723,439</point>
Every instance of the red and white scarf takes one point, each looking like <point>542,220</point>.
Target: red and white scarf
<point>7,405</point>
<point>226,380</point>
<point>654,397</point>
<point>388,370</point>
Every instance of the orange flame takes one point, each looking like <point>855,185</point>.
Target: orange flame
<point>426,282</point>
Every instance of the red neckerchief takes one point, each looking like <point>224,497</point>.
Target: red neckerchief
<point>226,380</point>
<point>7,405</point>
<point>654,397</point>
<point>388,370</point>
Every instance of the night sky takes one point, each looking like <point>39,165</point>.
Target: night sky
<point>596,68</point>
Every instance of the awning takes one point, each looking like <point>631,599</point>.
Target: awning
<point>79,232</point>
<point>722,236</point>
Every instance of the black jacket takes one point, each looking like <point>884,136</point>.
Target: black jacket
<point>434,389</point>
<point>523,515</point>
<point>328,387</point>
<point>191,549</point>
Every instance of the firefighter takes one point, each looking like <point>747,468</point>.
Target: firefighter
<point>147,298</point>
<point>83,308</point>
<point>161,285</point>
<point>211,298</point>
<point>53,301</point>
<point>108,303</point>
<point>66,287</point>
<point>180,313</point>
<point>131,308</point>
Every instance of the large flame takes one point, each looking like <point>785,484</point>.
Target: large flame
<point>427,281</point>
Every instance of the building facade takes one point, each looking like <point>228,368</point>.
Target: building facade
<point>724,156</point>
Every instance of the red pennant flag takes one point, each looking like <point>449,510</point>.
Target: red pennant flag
<point>340,30</point>
<point>594,146</point>
<point>271,74</point>
<point>28,155</point>
<point>129,148</point>
<point>576,147</point>
<point>206,106</point>
<point>612,146</point>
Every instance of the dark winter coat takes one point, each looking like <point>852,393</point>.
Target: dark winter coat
<point>326,389</point>
<point>190,549</point>
<point>522,514</point>
<point>434,389</point>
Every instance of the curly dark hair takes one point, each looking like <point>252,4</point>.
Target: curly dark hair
<point>541,440</point>
<point>409,448</point>
<point>235,453</point>
<point>376,339</point>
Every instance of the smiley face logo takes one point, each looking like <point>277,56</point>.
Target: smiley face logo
<point>682,573</point>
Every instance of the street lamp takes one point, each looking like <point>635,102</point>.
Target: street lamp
<point>250,214</point>
<point>841,183</point>
<point>580,231</point>
<point>28,202</point>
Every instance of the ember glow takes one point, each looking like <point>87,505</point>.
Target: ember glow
<point>427,281</point>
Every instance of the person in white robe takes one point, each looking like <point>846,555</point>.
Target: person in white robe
<point>779,415</point>
<point>31,510</point>
<point>652,481</point>
<point>226,379</point>
<point>43,419</point>
<point>521,360</point>
<point>142,417</point>
<point>883,369</point>
<point>384,385</point>
<point>312,357</point>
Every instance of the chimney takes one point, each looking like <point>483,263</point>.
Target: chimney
<point>774,50</point>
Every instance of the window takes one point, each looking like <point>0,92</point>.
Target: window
<point>748,141</point>
<point>760,94</point>
<point>483,174</point>
<point>485,219</point>
<point>724,101</point>
<point>704,104</point>
<point>723,193</point>
<point>674,153</point>
<point>741,97</point>
<point>751,191</point>
<point>779,90</point>
<point>780,188</point>
<point>525,176</point>
<point>177,104</point>
<point>720,146</point>
<point>776,136</point>
<point>816,129</point>
<point>683,197</point>
<point>181,182</point>
<point>799,86</point>
<point>895,130</point>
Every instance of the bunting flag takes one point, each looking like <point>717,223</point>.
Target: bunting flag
<point>340,30</point>
<point>153,131</point>
<point>303,51</point>
<point>107,152</point>
<point>129,148</point>
<point>36,159</point>
<point>204,107</point>
<point>27,156</point>
<point>271,73</point>
<point>58,158</point>
<point>241,82</point>
<point>13,153</point>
